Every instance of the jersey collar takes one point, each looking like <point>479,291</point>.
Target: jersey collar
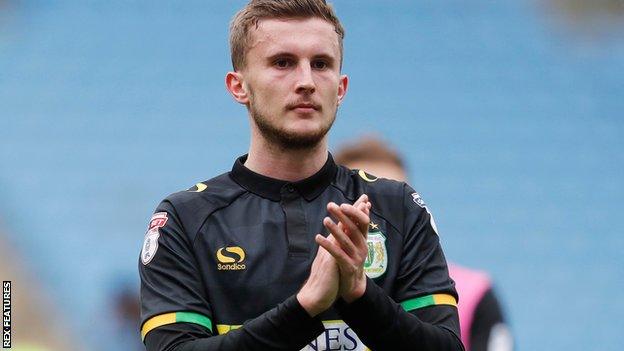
<point>271,188</point>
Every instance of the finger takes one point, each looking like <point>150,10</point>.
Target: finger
<point>342,259</point>
<point>353,231</point>
<point>340,236</point>
<point>331,238</point>
<point>324,257</point>
<point>363,203</point>
<point>362,199</point>
<point>365,207</point>
<point>340,216</point>
<point>357,216</point>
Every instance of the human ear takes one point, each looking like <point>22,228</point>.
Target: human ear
<point>234,84</point>
<point>342,87</point>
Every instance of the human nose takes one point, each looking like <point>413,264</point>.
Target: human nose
<point>305,80</point>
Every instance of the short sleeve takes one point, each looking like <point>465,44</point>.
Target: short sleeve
<point>423,278</point>
<point>171,284</point>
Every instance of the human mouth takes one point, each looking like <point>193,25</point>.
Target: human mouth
<point>305,107</point>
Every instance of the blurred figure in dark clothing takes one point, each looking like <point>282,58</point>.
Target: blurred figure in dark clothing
<point>483,326</point>
<point>127,311</point>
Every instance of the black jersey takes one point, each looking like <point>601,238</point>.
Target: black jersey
<point>229,255</point>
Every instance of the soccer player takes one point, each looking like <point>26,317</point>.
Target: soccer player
<point>483,326</point>
<point>289,251</point>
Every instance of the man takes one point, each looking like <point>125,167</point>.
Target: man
<point>483,326</point>
<point>288,251</point>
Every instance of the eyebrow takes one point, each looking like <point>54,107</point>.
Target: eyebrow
<point>287,54</point>
<point>278,55</point>
<point>326,57</point>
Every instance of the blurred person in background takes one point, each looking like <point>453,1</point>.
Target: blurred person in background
<point>126,311</point>
<point>235,262</point>
<point>482,322</point>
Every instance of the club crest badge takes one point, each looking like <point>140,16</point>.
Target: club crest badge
<point>377,260</point>
<point>150,244</point>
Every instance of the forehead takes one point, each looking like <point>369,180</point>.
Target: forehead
<point>295,36</point>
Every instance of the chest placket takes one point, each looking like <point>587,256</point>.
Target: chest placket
<point>296,223</point>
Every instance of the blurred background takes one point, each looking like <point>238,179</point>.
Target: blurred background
<point>510,114</point>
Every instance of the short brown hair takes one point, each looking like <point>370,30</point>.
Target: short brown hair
<point>257,10</point>
<point>368,148</point>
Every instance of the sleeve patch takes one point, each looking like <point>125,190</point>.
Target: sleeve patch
<point>418,200</point>
<point>150,243</point>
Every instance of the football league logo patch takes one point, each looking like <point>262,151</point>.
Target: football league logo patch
<point>150,244</point>
<point>376,262</point>
<point>418,200</point>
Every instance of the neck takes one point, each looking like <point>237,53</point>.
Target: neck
<point>285,164</point>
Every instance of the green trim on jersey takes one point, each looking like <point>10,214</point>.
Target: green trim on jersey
<point>175,317</point>
<point>429,300</point>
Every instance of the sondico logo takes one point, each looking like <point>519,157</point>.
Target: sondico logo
<point>230,258</point>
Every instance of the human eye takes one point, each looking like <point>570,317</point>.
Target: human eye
<point>320,64</point>
<point>282,63</point>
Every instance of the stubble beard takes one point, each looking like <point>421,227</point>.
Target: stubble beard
<point>284,139</point>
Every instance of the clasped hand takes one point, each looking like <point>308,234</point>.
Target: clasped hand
<point>338,269</point>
